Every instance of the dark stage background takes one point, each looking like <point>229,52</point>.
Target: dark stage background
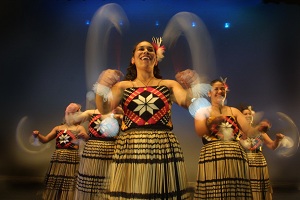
<point>43,69</point>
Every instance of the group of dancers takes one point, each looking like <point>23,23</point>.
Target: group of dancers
<point>145,160</point>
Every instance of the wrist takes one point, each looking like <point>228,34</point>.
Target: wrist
<point>102,91</point>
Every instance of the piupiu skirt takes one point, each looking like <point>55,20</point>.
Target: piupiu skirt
<point>259,176</point>
<point>148,164</point>
<point>61,176</point>
<point>94,168</point>
<point>223,172</point>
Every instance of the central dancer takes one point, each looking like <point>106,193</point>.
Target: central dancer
<point>148,161</point>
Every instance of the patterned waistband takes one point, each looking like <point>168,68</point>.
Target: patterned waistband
<point>103,138</point>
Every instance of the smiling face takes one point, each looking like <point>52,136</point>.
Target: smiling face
<point>218,92</point>
<point>248,115</point>
<point>144,55</point>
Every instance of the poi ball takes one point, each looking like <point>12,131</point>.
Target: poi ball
<point>109,127</point>
<point>34,141</point>
<point>198,103</point>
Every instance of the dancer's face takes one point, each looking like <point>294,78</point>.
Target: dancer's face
<point>218,93</point>
<point>144,55</point>
<point>248,115</point>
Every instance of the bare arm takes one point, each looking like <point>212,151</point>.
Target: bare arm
<point>183,93</point>
<point>84,116</point>
<point>106,107</point>
<point>200,122</point>
<point>272,144</point>
<point>82,133</point>
<point>246,128</point>
<point>242,122</point>
<point>108,84</point>
<point>179,95</point>
<point>44,139</point>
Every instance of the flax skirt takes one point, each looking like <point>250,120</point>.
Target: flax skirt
<point>148,164</point>
<point>61,176</point>
<point>259,176</point>
<point>94,169</point>
<point>223,172</point>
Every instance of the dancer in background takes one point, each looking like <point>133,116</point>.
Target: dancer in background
<point>148,162</point>
<point>97,154</point>
<point>223,171</point>
<point>259,173</point>
<point>61,176</point>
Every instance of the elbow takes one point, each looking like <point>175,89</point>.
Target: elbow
<point>43,141</point>
<point>200,133</point>
<point>273,148</point>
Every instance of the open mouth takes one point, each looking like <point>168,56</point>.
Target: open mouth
<point>145,58</point>
<point>220,97</point>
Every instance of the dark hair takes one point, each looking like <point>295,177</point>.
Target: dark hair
<point>215,81</point>
<point>244,106</point>
<point>131,69</point>
<point>221,81</point>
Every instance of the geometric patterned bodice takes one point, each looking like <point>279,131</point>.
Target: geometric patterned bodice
<point>94,125</point>
<point>147,107</point>
<point>222,128</point>
<point>254,143</point>
<point>66,139</point>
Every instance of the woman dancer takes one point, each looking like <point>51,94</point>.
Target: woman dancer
<point>148,162</point>
<point>61,176</point>
<point>223,171</point>
<point>259,173</point>
<point>96,157</point>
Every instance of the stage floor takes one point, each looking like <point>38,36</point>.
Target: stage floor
<point>28,188</point>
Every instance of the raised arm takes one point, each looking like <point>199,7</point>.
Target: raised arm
<point>188,87</point>
<point>272,144</point>
<point>179,95</point>
<point>108,90</point>
<point>82,133</point>
<point>44,139</point>
<point>83,116</point>
<point>246,127</point>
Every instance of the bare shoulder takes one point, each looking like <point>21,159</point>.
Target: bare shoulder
<point>236,112</point>
<point>123,84</point>
<point>58,127</point>
<point>234,109</point>
<point>169,83</point>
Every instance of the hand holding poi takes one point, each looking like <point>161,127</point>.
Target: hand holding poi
<point>187,78</point>
<point>109,77</point>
